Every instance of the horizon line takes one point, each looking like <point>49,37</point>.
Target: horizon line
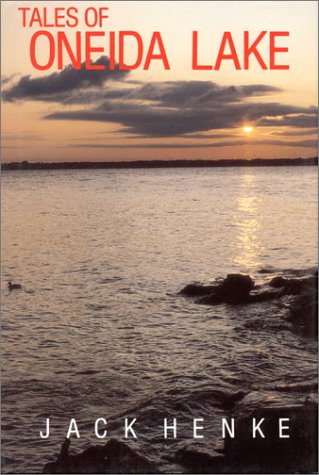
<point>182,163</point>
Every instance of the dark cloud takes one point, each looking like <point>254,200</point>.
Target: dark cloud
<point>310,119</point>
<point>190,93</point>
<point>55,86</point>
<point>152,121</point>
<point>158,109</point>
<point>7,79</point>
<point>71,87</point>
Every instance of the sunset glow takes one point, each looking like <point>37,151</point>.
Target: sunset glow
<point>181,113</point>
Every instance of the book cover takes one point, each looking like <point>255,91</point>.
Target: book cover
<point>159,236</point>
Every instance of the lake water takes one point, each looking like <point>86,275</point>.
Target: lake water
<point>99,330</point>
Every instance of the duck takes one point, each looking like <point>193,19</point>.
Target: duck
<point>12,286</point>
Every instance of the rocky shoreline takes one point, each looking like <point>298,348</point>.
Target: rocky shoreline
<point>297,294</point>
<point>297,290</point>
<point>242,454</point>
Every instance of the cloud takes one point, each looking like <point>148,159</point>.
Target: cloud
<point>190,93</point>
<point>310,119</point>
<point>7,79</point>
<point>233,143</point>
<point>158,109</point>
<point>150,120</point>
<point>22,137</point>
<point>54,86</point>
<point>293,133</point>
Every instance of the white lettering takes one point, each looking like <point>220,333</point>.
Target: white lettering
<point>129,428</point>
<point>257,428</point>
<point>96,428</point>
<point>167,427</point>
<point>282,427</point>
<point>73,429</point>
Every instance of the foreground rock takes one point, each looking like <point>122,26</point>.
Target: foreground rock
<point>240,289</point>
<point>234,289</point>
<point>304,312</point>
<point>113,457</point>
<point>271,454</point>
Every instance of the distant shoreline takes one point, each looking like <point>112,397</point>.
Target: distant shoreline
<point>257,162</point>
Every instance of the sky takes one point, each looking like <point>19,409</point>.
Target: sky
<point>120,115</point>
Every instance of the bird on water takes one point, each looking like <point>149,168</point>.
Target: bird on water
<point>12,286</point>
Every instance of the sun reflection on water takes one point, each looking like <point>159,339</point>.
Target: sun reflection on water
<point>248,224</point>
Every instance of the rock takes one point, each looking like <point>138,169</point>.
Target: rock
<point>113,457</point>
<point>272,454</point>
<point>294,286</point>
<point>237,283</point>
<point>197,290</point>
<point>303,313</point>
<point>278,281</point>
<point>235,288</point>
<point>264,296</point>
<point>213,299</point>
<point>122,459</point>
<point>91,460</point>
<point>240,289</point>
<point>199,461</point>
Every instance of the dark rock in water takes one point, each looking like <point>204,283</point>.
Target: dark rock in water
<point>198,461</point>
<point>240,289</point>
<point>272,454</point>
<point>278,281</point>
<point>233,290</point>
<point>91,460</point>
<point>237,284</point>
<point>114,457</point>
<point>197,290</point>
<point>213,299</point>
<point>122,459</point>
<point>264,296</point>
<point>236,287</point>
<point>304,313</point>
<point>293,286</point>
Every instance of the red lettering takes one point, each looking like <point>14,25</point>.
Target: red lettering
<point>227,38</point>
<point>36,18</point>
<point>63,41</point>
<point>102,15</point>
<point>71,17</point>
<point>24,10</point>
<point>156,38</point>
<point>59,16</point>
<point>248,50</point>
<point>87,17</point>
<point>112,50</point>
<point>34,61</point>
<point>273,49</point>
<point>138,61</point>
<point>89,49</point>
<point>195,65</point>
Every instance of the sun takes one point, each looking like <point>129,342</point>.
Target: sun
<point>248,129</point>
